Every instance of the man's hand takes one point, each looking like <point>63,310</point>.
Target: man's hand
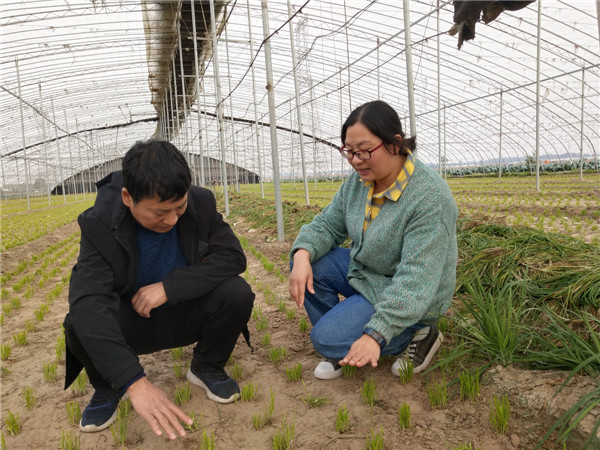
<point>149,297</point>
<point>365,350</point>
<point>301,277</point>
<point>154,407</point>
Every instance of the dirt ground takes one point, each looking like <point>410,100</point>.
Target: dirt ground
<point>533,404</point>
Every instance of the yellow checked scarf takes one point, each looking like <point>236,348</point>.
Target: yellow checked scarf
<point>375,201</point>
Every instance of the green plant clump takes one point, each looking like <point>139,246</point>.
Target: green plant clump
<point>500,413</point>
<point>368,392</point>
<point>341,420</point>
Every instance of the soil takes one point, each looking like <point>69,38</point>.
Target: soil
<point>534,405</point>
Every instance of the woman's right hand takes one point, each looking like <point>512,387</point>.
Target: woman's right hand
<point>301,277</point>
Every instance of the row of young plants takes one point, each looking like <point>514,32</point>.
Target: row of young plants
<point>18,229</point>
<point>33,274</point>
<point>19,204</point>
<point>47,271</point>
<point>526,298</point>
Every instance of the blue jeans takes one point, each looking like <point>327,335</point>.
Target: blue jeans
<point>338,324</point>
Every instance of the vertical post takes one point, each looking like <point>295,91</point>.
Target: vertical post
<point>197,79</point>
<point>292,162</point>
<point>80,159</point>
<point>409,73</point>
<point>581,124</point>
<point>312,118</point>
<point>219,105</point>
<point>445,140</point>
<point>178,125</point>
<point>347,59</point>
<point>45,143</point>
<point>185,137</point>
<point>439,93</point>
<point>298,110</point>
<point>378,75</point>
<point>23,137</point>
<point>500,137</point>
<point>60,172</point>
<point>258,153</point>
<point>272,120</point>
<point>537,98</point>
<point>71,153</point>
<point>233,147</point>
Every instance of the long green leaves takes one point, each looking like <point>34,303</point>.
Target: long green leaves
<point>551,268</point>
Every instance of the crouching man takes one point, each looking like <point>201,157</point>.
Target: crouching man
<point>158,268</point>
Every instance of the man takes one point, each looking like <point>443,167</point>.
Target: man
<point>158,268</point>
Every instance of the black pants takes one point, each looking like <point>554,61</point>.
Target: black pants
<point>214,321</point>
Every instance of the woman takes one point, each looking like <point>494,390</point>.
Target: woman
<point>399,275</point>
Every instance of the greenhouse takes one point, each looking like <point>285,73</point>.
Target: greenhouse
<point>503,98</point>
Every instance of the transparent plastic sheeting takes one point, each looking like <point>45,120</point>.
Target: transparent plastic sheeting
<point>76,92</point>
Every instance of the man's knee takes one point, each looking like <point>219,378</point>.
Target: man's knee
<point>238,296</point>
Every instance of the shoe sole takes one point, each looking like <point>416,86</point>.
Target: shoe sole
<point>198,382</point>
<point>94,428</point>
<point>428,358</point>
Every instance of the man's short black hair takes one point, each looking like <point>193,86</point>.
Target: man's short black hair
<point>156,169</point>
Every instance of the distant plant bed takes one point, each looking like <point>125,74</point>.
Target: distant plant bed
<point>19,229</point>
<point>528,168</point>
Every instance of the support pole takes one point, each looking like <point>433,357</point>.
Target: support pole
<point>581,124</point>
<point>185,137</point>
<point>83,182</point>
<point>312,118</point>
<point>537,98</point>
<point>272,120</point>
<point>439,93</point>
<point>298,107</point>
<point>43,116</point>
<point>23,138</point>
<point>378,74</point>
<point>500,137</point>
<point>233,146</point>
<point>71,153</point>
<point>445,140</point>
<point>60,172</point>
<point>258,152</point>
<point>348,59</point>
<point>409,73</point>
<point>219,101</point>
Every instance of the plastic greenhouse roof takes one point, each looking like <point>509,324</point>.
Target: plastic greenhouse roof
<point>76,83</point>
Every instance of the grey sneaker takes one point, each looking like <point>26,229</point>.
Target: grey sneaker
<point>420,351</point>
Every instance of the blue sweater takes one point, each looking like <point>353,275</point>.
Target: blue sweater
<point>405,262</point>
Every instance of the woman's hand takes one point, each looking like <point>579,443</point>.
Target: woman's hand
<point>301,277</point>
<point>365,350</point>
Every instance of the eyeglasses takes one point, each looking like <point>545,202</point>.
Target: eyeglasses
<point>361,154</point>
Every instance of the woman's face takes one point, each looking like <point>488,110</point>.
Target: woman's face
<point>383,168</point>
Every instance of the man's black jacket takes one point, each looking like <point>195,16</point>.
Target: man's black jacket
<point>106,270</point>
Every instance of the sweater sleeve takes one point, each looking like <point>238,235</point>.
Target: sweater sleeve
<point>427,247</point>
<point>327,230</point>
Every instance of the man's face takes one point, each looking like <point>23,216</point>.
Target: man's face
<point>153,214</point>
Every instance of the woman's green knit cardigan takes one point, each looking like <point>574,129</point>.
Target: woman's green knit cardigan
<point>405,262</point>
